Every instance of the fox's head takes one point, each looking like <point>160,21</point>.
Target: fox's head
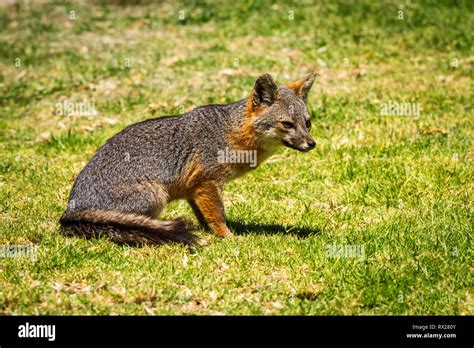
<point>279,114</point>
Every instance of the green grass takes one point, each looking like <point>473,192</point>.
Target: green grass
<point>399,187</point>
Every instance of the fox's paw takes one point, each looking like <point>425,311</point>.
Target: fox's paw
<point>224,233</point>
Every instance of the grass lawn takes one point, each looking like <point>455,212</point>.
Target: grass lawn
<point>393,192</point>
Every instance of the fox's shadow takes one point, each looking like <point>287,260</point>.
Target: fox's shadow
<point>242,228</point>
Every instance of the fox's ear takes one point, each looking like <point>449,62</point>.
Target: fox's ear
<point>302,87</point>
<point>264,91</point>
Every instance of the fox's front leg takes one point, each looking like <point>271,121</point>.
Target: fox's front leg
<point>209,208</point>
<point>198,213</point>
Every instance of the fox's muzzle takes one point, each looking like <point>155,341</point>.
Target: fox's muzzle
<point>304,144</point>
<point>309,145</point>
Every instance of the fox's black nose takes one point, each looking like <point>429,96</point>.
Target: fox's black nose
<point>311,143</point>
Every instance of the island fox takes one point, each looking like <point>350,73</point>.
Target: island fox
<point>123,188</point>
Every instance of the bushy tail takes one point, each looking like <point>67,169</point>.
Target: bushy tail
<point>126,228</point>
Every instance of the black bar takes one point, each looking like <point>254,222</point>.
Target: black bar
<point>242,330</point>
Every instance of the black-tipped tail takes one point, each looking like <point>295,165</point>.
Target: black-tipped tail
<point>126,228</point>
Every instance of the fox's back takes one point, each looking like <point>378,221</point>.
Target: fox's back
<point>156,150</point>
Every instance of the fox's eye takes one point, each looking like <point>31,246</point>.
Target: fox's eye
<point>308,124</point>
<point>288,125</point>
